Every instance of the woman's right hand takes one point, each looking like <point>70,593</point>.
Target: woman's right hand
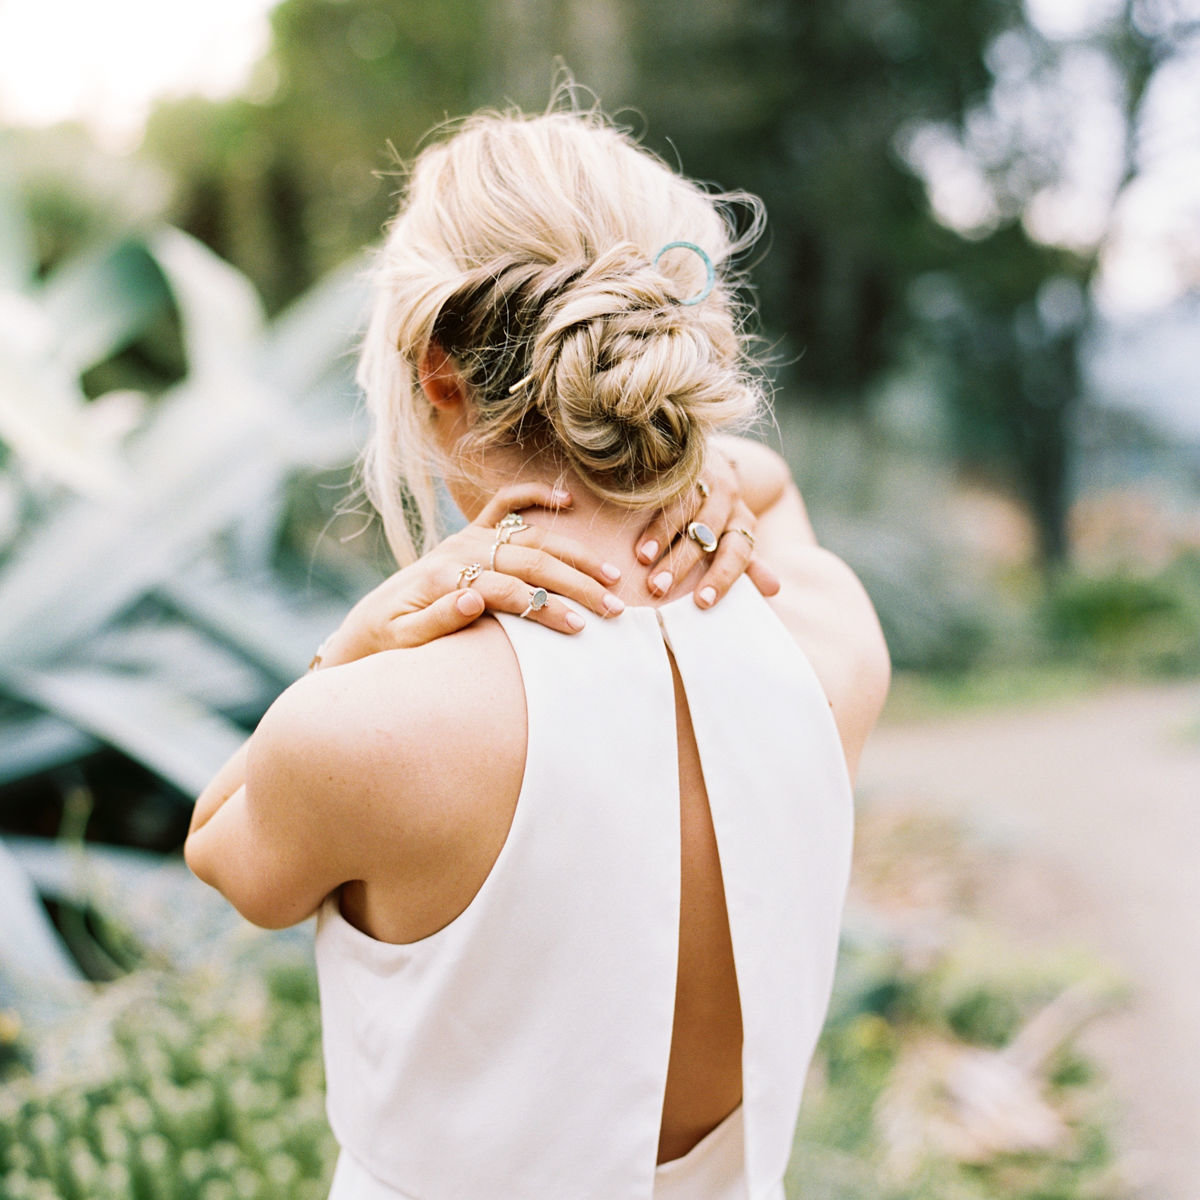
<point>721,504</point>
<point>433,596</point>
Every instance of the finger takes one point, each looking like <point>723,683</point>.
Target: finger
<point>526,568</point>
<point>763,577</point>
<point>729,562</point>
<point>517,496</point>
<point>683,554</point>
<point>652,543</point>
<point>450,613</point>
<point>503,593</point>
<point>565,549</point>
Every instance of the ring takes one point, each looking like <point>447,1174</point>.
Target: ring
<point>492,559</point>
<point>537,600</point>
<point>509,524</point>
<point>702,536</point>
<point>744,532</point>
<point>702,488</point>
<point>469,574</point>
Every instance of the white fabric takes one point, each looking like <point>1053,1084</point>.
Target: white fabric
<point>712,1170</point>
<point>520,1053</point>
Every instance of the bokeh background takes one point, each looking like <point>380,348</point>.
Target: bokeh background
<point>979,307</point>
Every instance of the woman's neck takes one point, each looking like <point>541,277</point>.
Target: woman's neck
<point>608,529</point>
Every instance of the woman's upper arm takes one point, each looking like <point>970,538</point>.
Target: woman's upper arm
<point>273,848</point>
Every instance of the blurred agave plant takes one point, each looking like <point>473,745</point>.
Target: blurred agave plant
<point>141,604</point>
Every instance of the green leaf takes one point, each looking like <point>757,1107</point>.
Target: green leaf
<point>154,723</point>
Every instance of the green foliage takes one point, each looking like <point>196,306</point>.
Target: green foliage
<point>1126,622</point>
<point>214,1091</point>
<point>975,994</point>
<point>146,602</point>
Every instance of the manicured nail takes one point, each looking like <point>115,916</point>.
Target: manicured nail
<point>610,572</point>
<point>648,551</point>
<point>708,596</point>
<point>614,604</point>
<point>574,620</point>
<point>470,603</point>
<point>662,581</point>
<point>560,497</point>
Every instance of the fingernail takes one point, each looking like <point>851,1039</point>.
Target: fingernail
<point>470,603</point>
<point>614,604</point>
<point>610,572</point>
<point>559,496</point>
<point>574,621</point>
<point>708,595</point>
<point>648,551</point>
<point>662,581</point>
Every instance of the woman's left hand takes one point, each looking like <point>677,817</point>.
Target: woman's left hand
<point>481,568</point>
<point>670,552</point>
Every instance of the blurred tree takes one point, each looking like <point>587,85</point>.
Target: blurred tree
<point>290,180</point>
<point>845,117</point>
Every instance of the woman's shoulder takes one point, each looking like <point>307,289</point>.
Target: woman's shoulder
<point>403,737</point>
<point>826,609</point>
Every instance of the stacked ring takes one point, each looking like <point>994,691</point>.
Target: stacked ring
<point>469,573</point>
<point>509,524</point>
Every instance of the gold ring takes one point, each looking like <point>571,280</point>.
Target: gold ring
<point>744,532</point>
<point>702,488</point>
<point>509,524</point>
<point>469,574</point>
<point>702,536</point>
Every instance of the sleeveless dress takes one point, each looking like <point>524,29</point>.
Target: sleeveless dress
<point>520,1052</point>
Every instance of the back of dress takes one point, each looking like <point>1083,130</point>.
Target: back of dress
<point>520,1053</point>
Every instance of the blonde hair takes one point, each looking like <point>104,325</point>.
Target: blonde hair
<point>525,249</point>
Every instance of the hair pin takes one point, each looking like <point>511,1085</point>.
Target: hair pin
<point>710,277</point>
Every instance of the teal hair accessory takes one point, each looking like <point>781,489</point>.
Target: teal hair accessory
<point>710,277</point>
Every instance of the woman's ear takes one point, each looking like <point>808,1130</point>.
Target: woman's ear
<point>440,379</point>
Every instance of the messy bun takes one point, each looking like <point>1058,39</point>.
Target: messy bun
<point>531,251</point>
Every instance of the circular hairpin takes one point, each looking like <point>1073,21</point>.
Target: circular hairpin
<point>710,274</point>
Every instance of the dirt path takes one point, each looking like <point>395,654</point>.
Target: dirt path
<point>1106,793</point>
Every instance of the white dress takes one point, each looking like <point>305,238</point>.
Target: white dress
<point>520,1052</point>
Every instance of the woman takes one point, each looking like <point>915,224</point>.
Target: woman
<point>578,897</point>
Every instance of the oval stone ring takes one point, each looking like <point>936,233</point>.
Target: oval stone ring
<point>702,536</point>
<point>537,600</point>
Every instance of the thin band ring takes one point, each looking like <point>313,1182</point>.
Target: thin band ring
<point>492,559</point>
<point>469,573</point>
<point>537,600</point>
<point>744,532</point>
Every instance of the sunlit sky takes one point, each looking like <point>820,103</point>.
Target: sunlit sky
<point>106,61</point>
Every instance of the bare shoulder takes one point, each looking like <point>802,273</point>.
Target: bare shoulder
<point>825,607</point>
<point>401,740</point>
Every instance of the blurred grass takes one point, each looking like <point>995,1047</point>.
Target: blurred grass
<point>212,1090</point>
